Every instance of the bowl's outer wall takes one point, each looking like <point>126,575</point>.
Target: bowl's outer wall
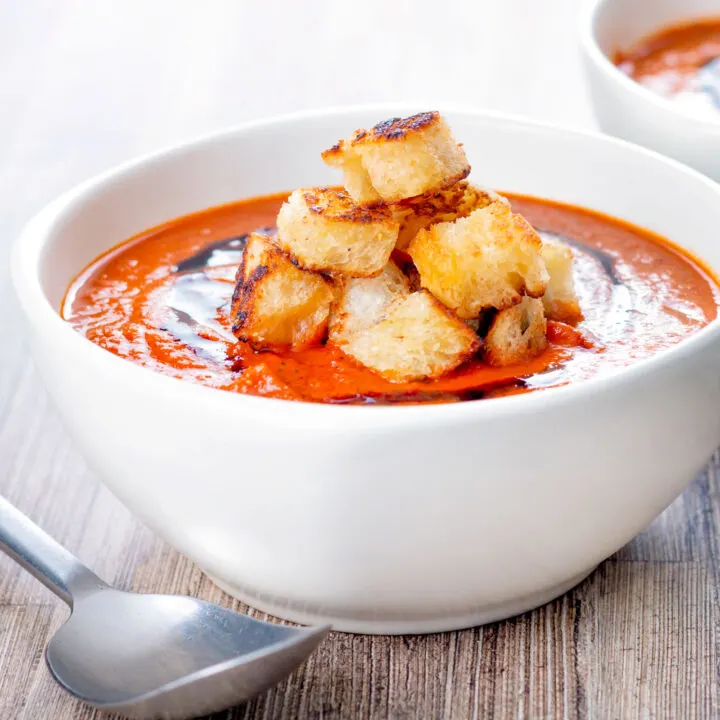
<point>397,520</point>
<point>625,109</point>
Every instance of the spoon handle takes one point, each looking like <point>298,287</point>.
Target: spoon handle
<point>44,558</point>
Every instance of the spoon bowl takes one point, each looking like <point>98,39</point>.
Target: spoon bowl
<point>170,656</point>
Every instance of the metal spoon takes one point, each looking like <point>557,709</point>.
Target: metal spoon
<point>150,656</point>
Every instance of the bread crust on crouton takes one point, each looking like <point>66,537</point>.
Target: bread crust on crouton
<point>276,304</point>
<point>446,205</point>
<point>516,334</point>
<point>399,158</point>
<point>325,231</point>
<point>560,301</point>
<point>489,259</point>
<point>363,301</point>
<point>418,338</point>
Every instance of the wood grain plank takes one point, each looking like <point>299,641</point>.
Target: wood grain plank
<point>23,633</point>
<point>652,626</point>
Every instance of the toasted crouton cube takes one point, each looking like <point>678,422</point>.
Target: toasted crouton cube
<point>560,300</point>
<point>489,259</point>
<point>445,205</point>
<point>324,230</point>
<point>418,339</point>
<point>363,301</point>
<point>399,158</point>
<point>517,334</point>
<point>275,303</point>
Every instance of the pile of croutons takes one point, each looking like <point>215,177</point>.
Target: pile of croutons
<point>410,269</point>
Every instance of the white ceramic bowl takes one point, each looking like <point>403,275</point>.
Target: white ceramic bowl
<point>625,108</point>
<point>382,519</point>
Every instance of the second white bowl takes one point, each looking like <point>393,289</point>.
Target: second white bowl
<point>625,108</point>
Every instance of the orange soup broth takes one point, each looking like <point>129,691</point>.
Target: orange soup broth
<point>161,300</point>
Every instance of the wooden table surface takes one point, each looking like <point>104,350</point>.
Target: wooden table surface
<point>86,84</point>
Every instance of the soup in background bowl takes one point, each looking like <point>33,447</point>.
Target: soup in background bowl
<point>409,518</point>
<point>681,63</point>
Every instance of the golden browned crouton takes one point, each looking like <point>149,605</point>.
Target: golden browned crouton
<point>517,334</point>
<point>275,303</point>
<point>560,300</point>
<point>488,259</point>
<point>399,158</point>
<point>363,301</point>
<point>417,339</point>
<point>445,205</point>
<point>324,230</point>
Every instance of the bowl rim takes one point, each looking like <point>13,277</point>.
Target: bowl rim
<point>27,261</point>
<point>588,41</point>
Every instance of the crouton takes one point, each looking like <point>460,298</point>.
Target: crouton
<point>560,300</point>
<point>517,334</point>
<point>399,158</point>
<point>489,259</point>
<point>417,339</point>
<point>363,301</point>
<point>275,303</point>
<point>446,205</point>
<point>325,231</point>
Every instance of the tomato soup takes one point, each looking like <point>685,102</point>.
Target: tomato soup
<point>681,63</point>
<point>162,300</point>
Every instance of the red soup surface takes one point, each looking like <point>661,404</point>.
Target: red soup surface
<point>682,63</point>
<point>162,299</point>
